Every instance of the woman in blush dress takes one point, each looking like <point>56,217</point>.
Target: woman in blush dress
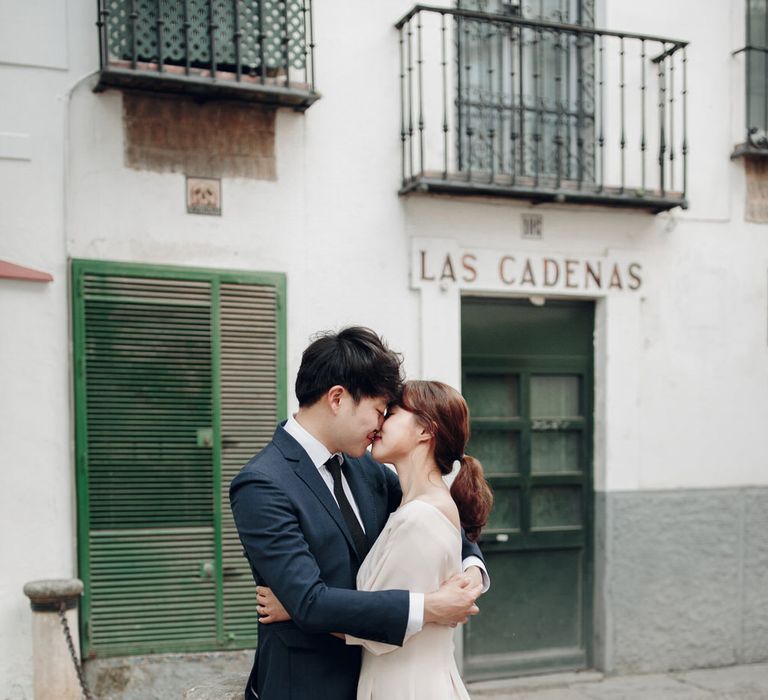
<point>420,546</point>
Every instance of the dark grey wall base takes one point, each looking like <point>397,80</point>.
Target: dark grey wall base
<point>681,579</point>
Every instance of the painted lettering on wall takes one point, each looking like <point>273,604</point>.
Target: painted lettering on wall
<point>525,272</point>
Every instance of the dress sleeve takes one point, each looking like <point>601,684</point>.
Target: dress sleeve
<point>417,557</point>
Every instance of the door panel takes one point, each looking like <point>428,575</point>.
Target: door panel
<point>527,376</point>
<point>151,520</point>
<point>249,398</point>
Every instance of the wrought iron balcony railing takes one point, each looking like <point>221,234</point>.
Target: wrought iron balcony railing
<point>260,50</point>
<point>495,104</point>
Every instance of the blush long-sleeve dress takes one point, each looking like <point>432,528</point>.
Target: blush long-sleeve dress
<point>418,549</point>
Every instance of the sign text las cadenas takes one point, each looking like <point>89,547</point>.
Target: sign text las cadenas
<point>532,272</point>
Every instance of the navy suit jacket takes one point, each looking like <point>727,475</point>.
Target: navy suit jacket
<point>298,544</point>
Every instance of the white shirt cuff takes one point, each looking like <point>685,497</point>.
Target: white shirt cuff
<point>476,561</point>
<point>415,614</point>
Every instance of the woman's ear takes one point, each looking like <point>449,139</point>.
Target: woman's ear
<point>425,434</point>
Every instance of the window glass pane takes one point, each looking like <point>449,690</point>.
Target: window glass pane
<point>557,72</point>
<point>506,509</point>
<point>756,23</point>
<point>554,452</point>
<point>492,395</point>
<point>554,396</point>
<point>497,450</point>
<point>757,69</point>
<point>558,506</point>
<point>757,106</point>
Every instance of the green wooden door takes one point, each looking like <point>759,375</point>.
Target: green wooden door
<point>179,379</point>
<point>527,376</point>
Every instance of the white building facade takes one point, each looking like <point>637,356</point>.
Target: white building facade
<point>482,187</point>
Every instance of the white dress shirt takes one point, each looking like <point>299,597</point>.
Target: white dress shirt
<point>319,455</point>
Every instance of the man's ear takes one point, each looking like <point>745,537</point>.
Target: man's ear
<point>333,396</point>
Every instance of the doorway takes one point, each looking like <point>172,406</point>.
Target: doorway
<point>527,375</point>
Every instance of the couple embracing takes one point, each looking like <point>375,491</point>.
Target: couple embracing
<point>362,573</point>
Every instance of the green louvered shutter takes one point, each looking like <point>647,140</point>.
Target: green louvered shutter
<point>179,380</point>
<point>249,364</point>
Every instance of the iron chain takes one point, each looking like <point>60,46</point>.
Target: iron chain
<point>78,666</point>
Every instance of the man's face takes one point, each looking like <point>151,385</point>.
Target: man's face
<point>358,422</point>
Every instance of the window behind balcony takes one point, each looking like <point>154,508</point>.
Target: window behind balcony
<point>757,74</point>
<point>526,94</point>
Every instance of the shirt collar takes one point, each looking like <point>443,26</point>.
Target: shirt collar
<point>317,452</point>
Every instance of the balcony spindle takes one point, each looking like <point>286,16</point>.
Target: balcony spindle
<point>134,19</point>
<point>284,40</point>
<point>488,110</point>
<point>187,47</point>
<point>539,112</point>
<point>306,34</point>
<point>262,50</point>
<point>672,121</point>
<point>601,136</point>
<point>212,36</point>
<point>410,97</point>
<point>444,68</point>
<point>623,139</point>
<point>499,99</point>
<point>579,112</point>
<point>512,129</point>
<point>312,46</point>
<point>237,37</point>
<point>403,135</point>
<point>103,24</point>
<point>748,59</point>
<point>521,95</point>
<point>559,108</point>
<point>458,31</point>
<point>642,115</point>
<point>662,118</point>
<point>567,109</point>
<point>420,76</point>
<point>159,32</point>
<point>468,101</point>
<point>685,122</point>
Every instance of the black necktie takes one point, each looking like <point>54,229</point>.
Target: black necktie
<point>358,536</point>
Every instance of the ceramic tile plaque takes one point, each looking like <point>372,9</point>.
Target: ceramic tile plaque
<point>204,196</point>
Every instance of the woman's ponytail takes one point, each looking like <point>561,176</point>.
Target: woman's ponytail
<point>444,412</point>
<point>473,497</point>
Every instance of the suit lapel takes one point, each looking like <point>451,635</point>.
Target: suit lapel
<point>307,471</point>
<point>361,491</point>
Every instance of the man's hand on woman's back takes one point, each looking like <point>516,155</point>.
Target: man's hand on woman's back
<point>453,603</point>
<point>270,609</point>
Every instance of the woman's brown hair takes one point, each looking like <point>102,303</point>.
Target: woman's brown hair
<point>443,411</point>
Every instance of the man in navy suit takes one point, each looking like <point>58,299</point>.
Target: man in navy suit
<point>310,505</point>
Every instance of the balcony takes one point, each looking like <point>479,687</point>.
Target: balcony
<point>495,104</point>
<point>258,50</point>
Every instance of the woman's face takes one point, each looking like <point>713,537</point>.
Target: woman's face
<point>398,437</point>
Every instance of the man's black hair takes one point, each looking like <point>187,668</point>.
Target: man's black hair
<point>355,358</point>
